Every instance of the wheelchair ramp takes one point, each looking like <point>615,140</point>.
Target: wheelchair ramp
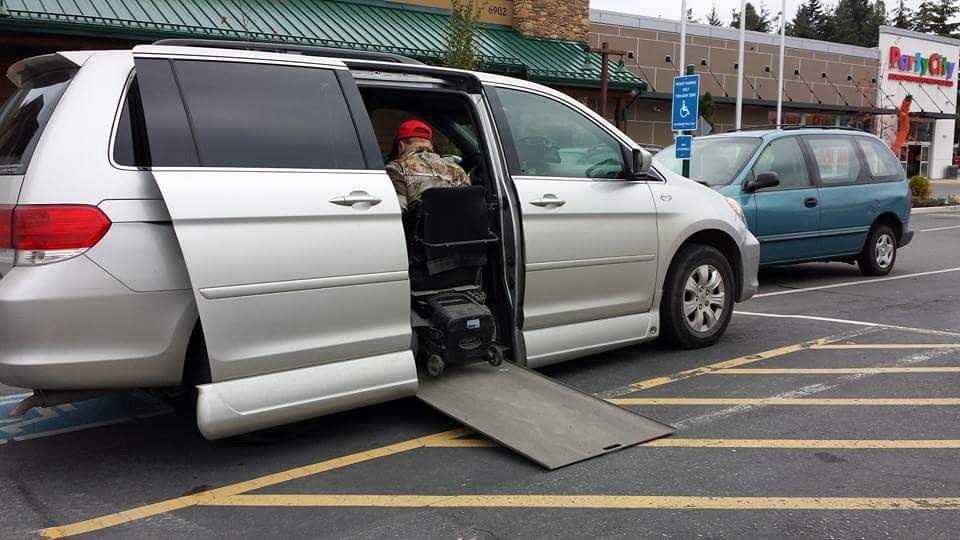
<point>539,418</point>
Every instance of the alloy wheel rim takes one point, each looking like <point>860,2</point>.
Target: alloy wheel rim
<point>884,250</point>
<point>704,298</point>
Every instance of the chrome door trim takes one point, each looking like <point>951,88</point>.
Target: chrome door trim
<point>577,263</point>
<point>253,289</point>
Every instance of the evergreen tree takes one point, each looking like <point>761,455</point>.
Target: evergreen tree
<point>690,16</point>
<point>933,17</point>
<point>755,21</point>
<point>713,19</point>
<point>902,17</point>
<point>808,22</point>
<point>857,22</point>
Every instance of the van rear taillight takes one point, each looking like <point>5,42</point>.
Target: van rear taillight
<point>43,234</point>
<point>6,235</point>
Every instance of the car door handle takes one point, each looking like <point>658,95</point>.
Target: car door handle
<point>810,202</point>
<point>548,200</point>
<point>357,199</point>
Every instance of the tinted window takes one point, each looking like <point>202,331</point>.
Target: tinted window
<point>256,115</point>
<point>784,157</point>
<point>124,150</point>
<point>24,116</point>
<point>553,139</point>
<point>713,161</point>
<point>880,160</point>
<point>836,160</point>
<point>165,124</point>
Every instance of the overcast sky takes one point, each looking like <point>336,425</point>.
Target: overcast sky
<point>670,9</point>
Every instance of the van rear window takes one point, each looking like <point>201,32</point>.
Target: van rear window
<point>24,116</point>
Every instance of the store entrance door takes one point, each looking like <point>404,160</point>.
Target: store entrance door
<point>915,158</point>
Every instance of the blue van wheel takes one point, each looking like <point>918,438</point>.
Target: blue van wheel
<point>879,252</point>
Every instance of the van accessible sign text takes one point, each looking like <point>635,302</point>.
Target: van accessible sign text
<point>933,69</point>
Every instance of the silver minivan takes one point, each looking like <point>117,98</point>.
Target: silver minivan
<point>220,217</point>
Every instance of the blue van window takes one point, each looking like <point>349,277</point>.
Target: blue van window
<point>784,157</point>
<point>836,158</point>
<point>880,160</point>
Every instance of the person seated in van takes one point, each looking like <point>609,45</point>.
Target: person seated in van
<point>416,167</point>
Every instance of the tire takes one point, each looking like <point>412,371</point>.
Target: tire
<point>691,316</point>
<point>879,254</point>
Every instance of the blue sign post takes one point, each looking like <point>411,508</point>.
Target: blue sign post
<point>683,145</point>
<point>686,102</point>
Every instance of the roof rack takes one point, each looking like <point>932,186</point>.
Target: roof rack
<point>790,127</point>
<point>278,47</point>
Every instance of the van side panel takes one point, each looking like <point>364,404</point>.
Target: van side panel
<point>848,212</point>
<point>81,324</point>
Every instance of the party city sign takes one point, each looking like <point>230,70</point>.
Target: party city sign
<point>933,69</point>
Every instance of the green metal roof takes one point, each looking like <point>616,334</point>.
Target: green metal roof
<point>368,25</point>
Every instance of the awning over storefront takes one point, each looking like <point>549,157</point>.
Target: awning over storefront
<point>372,25</point>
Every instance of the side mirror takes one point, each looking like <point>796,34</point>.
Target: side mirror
<point>763,180</point>
<point>640,163</point>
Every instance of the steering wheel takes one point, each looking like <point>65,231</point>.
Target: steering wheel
<point>593,168</point>
<point>540,147</point>
<point>470,161</point>
<point>585,158</point>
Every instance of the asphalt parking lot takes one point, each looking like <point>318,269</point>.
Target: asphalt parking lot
<point>831,409</point>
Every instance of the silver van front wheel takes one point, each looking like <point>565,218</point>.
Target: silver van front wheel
<point>704,298</point>
<point>698,296</point>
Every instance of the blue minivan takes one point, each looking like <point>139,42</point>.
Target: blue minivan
<point>810,194</point>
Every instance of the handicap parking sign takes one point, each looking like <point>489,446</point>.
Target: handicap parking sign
<point>683,144</point>
<point>686,102</point>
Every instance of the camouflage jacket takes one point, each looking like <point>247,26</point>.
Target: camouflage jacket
<point>421,169</point>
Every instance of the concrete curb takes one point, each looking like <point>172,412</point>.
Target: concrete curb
<point>935,209</point>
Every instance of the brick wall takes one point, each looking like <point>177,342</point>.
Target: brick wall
<point>553,19</point>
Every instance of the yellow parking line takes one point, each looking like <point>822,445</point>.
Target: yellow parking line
<point>787,401</point>
<point>439,439</point>
<point>837,346</point>
<point>835,371</point>
<point>677,442</point>
<point>633,502</point>
<point>739,361</point>
<point>211,496</point>
<point>463,443</point>
<point>860,444</point>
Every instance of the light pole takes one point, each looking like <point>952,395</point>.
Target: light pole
<point>743,37</point>
<point>783,33</point>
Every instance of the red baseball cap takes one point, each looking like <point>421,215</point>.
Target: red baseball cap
<point>414,128</point>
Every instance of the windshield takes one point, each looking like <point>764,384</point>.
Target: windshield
<point>24,115</point>
<point>715,162</point>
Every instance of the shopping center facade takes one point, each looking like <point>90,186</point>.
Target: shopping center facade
<point>554,42</point>
<point>825,83</point>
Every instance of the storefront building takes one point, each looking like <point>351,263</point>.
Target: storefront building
<point>825,84</point>
<point>925,68</point>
